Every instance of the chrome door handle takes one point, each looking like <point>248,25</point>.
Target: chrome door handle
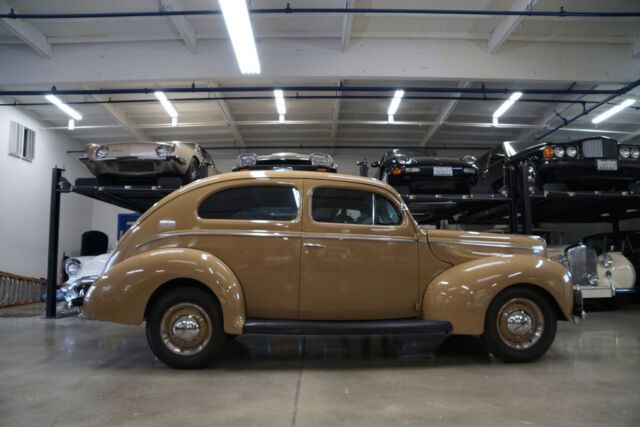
<point>314,245</point>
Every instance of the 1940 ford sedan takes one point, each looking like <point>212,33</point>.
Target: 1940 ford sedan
<point>290,252</point>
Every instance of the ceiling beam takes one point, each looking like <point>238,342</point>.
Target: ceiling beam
<point>635,48</point>
<point>183,26</point>
<point>508,24</point>
<point>229,121</point>
<point>444,114</point>
<point>26,31</point>
<point>347,23</point>
<point>117,113</point>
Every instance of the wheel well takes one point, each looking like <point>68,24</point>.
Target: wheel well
<point>542,292</point>
<point>174,284</point>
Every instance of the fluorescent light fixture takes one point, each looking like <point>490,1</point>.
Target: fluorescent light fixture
<point>395,102</point>
<point>504,107</point>
<point>281,119</point>
<point>390,117</point>
<point>282,109</point>
<point>236,18</point>
<point>64,107</point>
<point>613,110</point>
<point>174,121</point>
<point>166,103</point>
<point>71,125</point>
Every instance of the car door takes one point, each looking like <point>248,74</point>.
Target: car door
<point>359,254</point>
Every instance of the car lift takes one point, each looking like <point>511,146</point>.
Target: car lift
<point>519,205</point>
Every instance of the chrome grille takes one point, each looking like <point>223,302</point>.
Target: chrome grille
<point>599,149</point>
<point>582,263</point>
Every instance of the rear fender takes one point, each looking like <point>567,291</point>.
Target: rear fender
<point>122,293</point>
<point>462,293</point>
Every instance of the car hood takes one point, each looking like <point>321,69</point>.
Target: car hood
<point>440,161</point>
<point>460,246</point>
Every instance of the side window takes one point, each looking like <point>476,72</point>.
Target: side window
<point>273,203</point>
<point>341,206</point>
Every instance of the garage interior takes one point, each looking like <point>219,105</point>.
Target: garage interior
<point>339,64</point>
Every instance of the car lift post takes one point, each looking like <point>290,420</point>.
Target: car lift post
<point>525,197</point>
<point>513,207</point>
<point>54,228</point>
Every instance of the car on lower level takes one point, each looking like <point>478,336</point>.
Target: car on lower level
<point>145,162</point>
<point>318,162</point>
<point>424,171</point>
<point>625,242</point>
<point>82,272</point>
<point>292,252</point>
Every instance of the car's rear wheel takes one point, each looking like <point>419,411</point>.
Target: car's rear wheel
<point>185,329</point>
<point>520,325</point>
<point>192,172</point>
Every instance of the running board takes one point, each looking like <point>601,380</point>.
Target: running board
<point>356,327</point>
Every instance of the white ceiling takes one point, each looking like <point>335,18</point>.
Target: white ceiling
<point>403,51</point>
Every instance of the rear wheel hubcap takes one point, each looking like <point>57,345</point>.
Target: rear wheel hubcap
<point>186,329</point>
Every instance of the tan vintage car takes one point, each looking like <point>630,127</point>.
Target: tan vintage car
<point>132,162</point>
<point>290,252</point>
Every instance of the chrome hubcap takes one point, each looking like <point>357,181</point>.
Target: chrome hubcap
<point>186,329</point>
<point>520,323</point>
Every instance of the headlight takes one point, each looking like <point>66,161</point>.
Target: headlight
<point>572,151</point>
<point>102,151</point>
<point>562,260</point>
<point>635,153</point>
<point>606,260</point>
<point>163,150</point>
<point>558,152</point>
<point>321,159</point>
<point>72,266</point>
<point>625,152</point>
<point>403,159</point>
<point>470,159</point>
<point>244,160</point>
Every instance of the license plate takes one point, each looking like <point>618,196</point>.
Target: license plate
<point>442,171</point>
<point>286,168</point>
<point>607,165</point>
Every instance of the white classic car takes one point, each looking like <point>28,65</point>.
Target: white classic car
<point>82,272</point>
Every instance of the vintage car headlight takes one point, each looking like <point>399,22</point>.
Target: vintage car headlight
<point>102,151</point>
<point>403,159</point>
<point>321,159</point>
<point>72,266</point>
<point>571,151</point>
<point>469,159</point>
<point>606,260</point>
<point>635,153</point>
<point>558,152</point>
<point>244,160</point>
<point>625,152</point>
<point>163,150</point>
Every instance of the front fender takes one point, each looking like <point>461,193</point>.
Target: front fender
<point>121,294</point>
<point>462,294</point>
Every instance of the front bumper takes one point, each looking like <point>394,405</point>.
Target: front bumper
<point>136,165</point>
<point>578,305</point>
<point>583,174</point>
<point>75,291</point>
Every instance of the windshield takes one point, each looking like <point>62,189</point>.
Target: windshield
<point>416,153</point>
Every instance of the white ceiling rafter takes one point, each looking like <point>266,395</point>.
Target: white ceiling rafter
<point>117,114</point>
<point>446,111</point>
<point>228,118</point>
<point>27,32</point>
<point>183,26</point>
<point>507,25</point>
<point>347,23</point>
<point>635,48</point>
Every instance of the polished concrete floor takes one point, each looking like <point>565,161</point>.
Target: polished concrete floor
<point>71,371</point>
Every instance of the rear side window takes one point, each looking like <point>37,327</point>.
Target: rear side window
<point>336,205</point>
<point>273,203</point>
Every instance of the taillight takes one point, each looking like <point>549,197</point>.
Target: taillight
<point>321,169</point>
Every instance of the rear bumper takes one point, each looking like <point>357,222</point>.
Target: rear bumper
<point>136,166</point>
<point>309,168</point>
<point>583,174</point>
<point>423,180</point>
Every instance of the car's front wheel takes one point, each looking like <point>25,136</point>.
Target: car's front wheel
<point>192,172</point>
<point>185,329</point>
<point>520,325</point>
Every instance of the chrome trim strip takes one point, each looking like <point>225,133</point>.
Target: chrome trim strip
<point>291,234</point>
<point>488,244</point>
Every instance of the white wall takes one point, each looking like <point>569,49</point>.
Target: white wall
<point>25,198</point>
<point>105,219</point>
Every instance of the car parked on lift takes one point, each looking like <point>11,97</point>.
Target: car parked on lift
<point>292,252</point>
<point>626,242</point>
<point>585,165</point>
<point>319,162</point>
<point>144,162</point>
<point>424,171</point>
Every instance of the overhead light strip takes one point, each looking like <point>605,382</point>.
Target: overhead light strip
<point>236,18</point>
<point>168,106</point>
<point>613,111</point>
<point>64,107</point>
<point>280,105</point>
<point>505,106</point>
<point>395,103</point>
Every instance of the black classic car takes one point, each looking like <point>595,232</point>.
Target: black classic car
<point>627,242</point>
<point>599,163</point>
<point>318,162</point>
<point>423,171</point>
